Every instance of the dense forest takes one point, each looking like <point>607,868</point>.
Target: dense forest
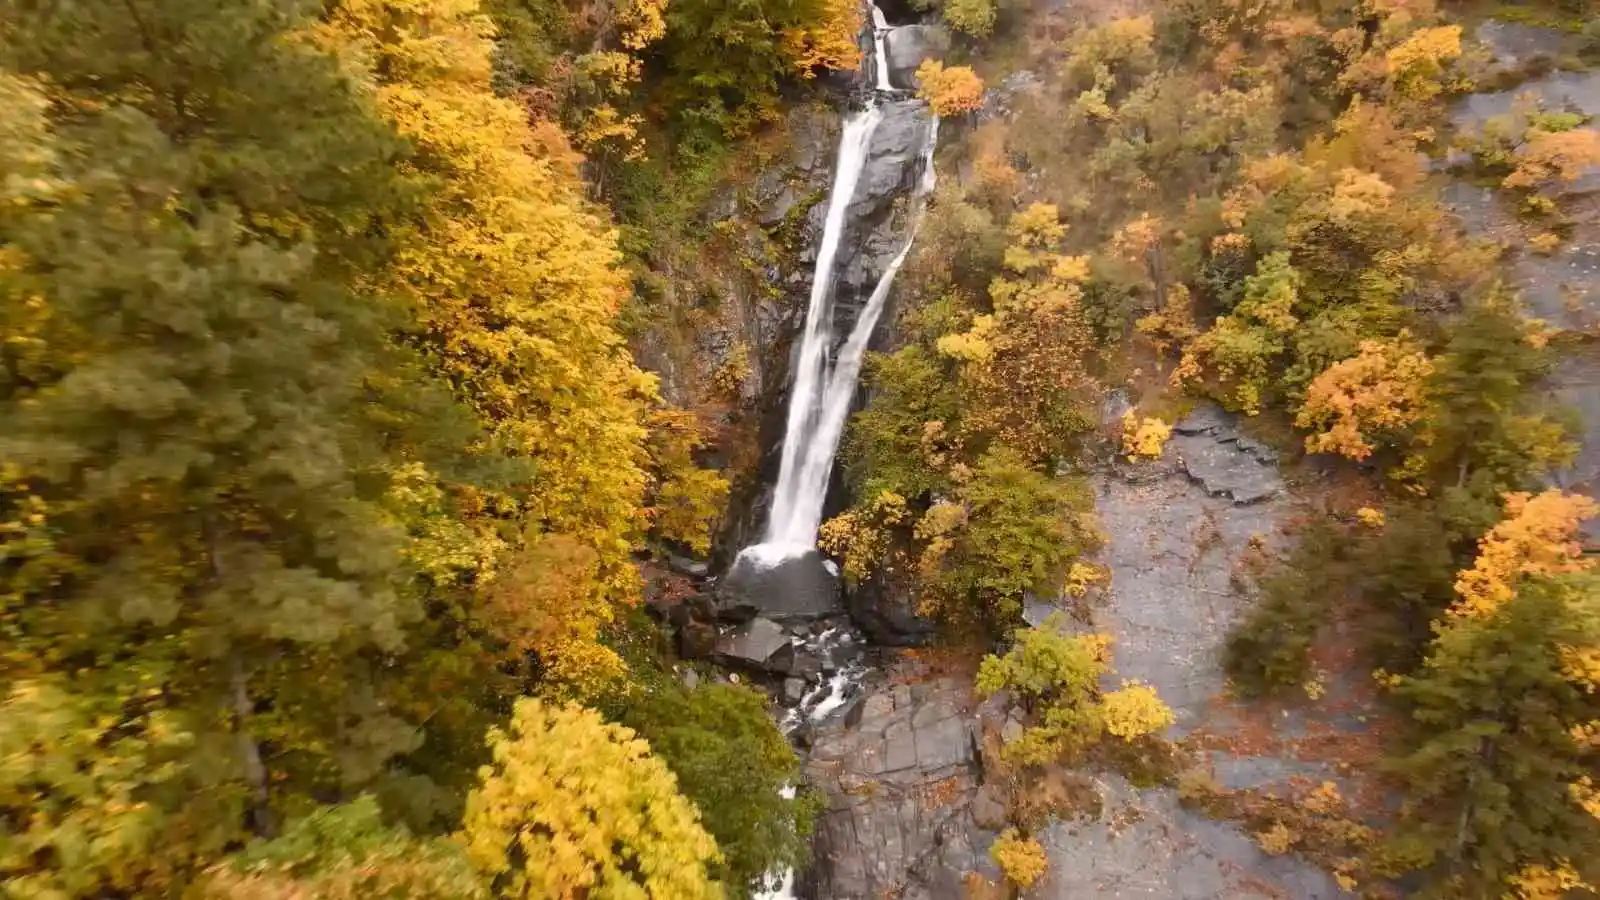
<point>327,467</point>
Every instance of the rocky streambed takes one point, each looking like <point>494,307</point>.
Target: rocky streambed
<point>897,743</point>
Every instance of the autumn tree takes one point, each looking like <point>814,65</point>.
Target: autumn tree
<point>205,570</point>
<point>736,767</point>
<point>1500,769</point>
<point>517,287</point>
<point>949,91</point>
<point>1057,676</point>
<point>572,806</point>
<point>346,852</point>
<point>1360,400</point>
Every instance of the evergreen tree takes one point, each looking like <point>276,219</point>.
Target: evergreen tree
<point>198,395</point>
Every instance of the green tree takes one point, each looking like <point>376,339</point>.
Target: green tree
<point>573,806</point>
<point>199,396</point>
<point>346,852</point>
<point>734,764</point>
<point>1497,753</point>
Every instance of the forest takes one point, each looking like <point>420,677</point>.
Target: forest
<point>332,468</point>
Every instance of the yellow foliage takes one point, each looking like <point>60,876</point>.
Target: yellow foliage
<point>1135,710</point>
<point>1022,859</point>
<point>685,501</point>
<point>1081,576</point>
<point>572,806</point>
<point>1561,155</point>
<point>1381,389</point>
<point>1171,326</point>
<point>950,91</point>
<point>830,43</point>
<point>1536,537</point>
<point>516,284</point>
<point>640,22</point>
<point>1276,840</point>
<point>1540,882</point>
<point>860,537</point>
<point>1372,518</point>
<point>1417,65</point>
<point>1545,244</point>
<point>1143,438</point>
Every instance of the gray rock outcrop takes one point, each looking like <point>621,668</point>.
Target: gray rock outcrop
<point>908,45</point>
<point>1226,462</point>
<point>900,782</point>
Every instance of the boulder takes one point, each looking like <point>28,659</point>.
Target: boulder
<point>697,640</point>
<point>907,46</point>
<point>886,611</point>
<point>692,568</point>
<point>793,691</point>
<point>798,588</point>
<point>755,644</point>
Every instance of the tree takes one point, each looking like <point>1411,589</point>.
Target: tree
<point>574,807</point>
<point>1243,346</point>
<point>974,18</point>
<point>517,287</point>
<point>734,765</point>
<point>949,91</point>
<point>1495,769</point>
<point>200,398</point>
<point>1377,392</point>
<point>345,852</point>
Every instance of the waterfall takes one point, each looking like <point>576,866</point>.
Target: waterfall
<point>824,388</point>
<point>880,59</point>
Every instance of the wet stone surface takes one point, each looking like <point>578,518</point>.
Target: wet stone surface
<point>1175,528</point>
<point>1144,844</point>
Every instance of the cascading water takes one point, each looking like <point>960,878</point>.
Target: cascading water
<point>880,53</point>
<point>823,392</point>
<point>824,387</point>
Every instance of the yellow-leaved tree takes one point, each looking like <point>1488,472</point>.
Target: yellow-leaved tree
<point>516,286</point>
<point>575,807</point>
<point>1377,392</point>
<point>949,91</point>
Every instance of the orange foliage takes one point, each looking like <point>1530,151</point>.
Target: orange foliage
<point>950,91</point>
<point>1536,537</point>
<point>1564,155</point>
<point>830,43</point>
<point>1381,389</point>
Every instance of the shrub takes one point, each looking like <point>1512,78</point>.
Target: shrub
<point>1022,859</point>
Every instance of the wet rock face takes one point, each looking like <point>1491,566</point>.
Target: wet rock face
<point>1175,529</point>
<point>908,45</point>
<point>1144,844</point>
<point>886,611</point>
<point>900,773</point>
<point>1223,460</point>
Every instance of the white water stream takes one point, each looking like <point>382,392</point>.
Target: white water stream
<point>824,388</point>
<point>880,52</point>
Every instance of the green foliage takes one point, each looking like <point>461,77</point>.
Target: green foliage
<point>1492,766</point>
<point>889,446</point>
<point>1057,676</point>
<point>1270,648</point>
<point>974,18</point>
<point>572,805</point>
<point>346,852</point>
<point>733,764</point>
<point>1023,531</point>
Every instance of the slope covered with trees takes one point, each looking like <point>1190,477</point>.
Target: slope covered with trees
<point>322,446</point>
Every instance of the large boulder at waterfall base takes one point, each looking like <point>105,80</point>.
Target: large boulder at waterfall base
<point>796,588</point>
<point>907,46</point>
